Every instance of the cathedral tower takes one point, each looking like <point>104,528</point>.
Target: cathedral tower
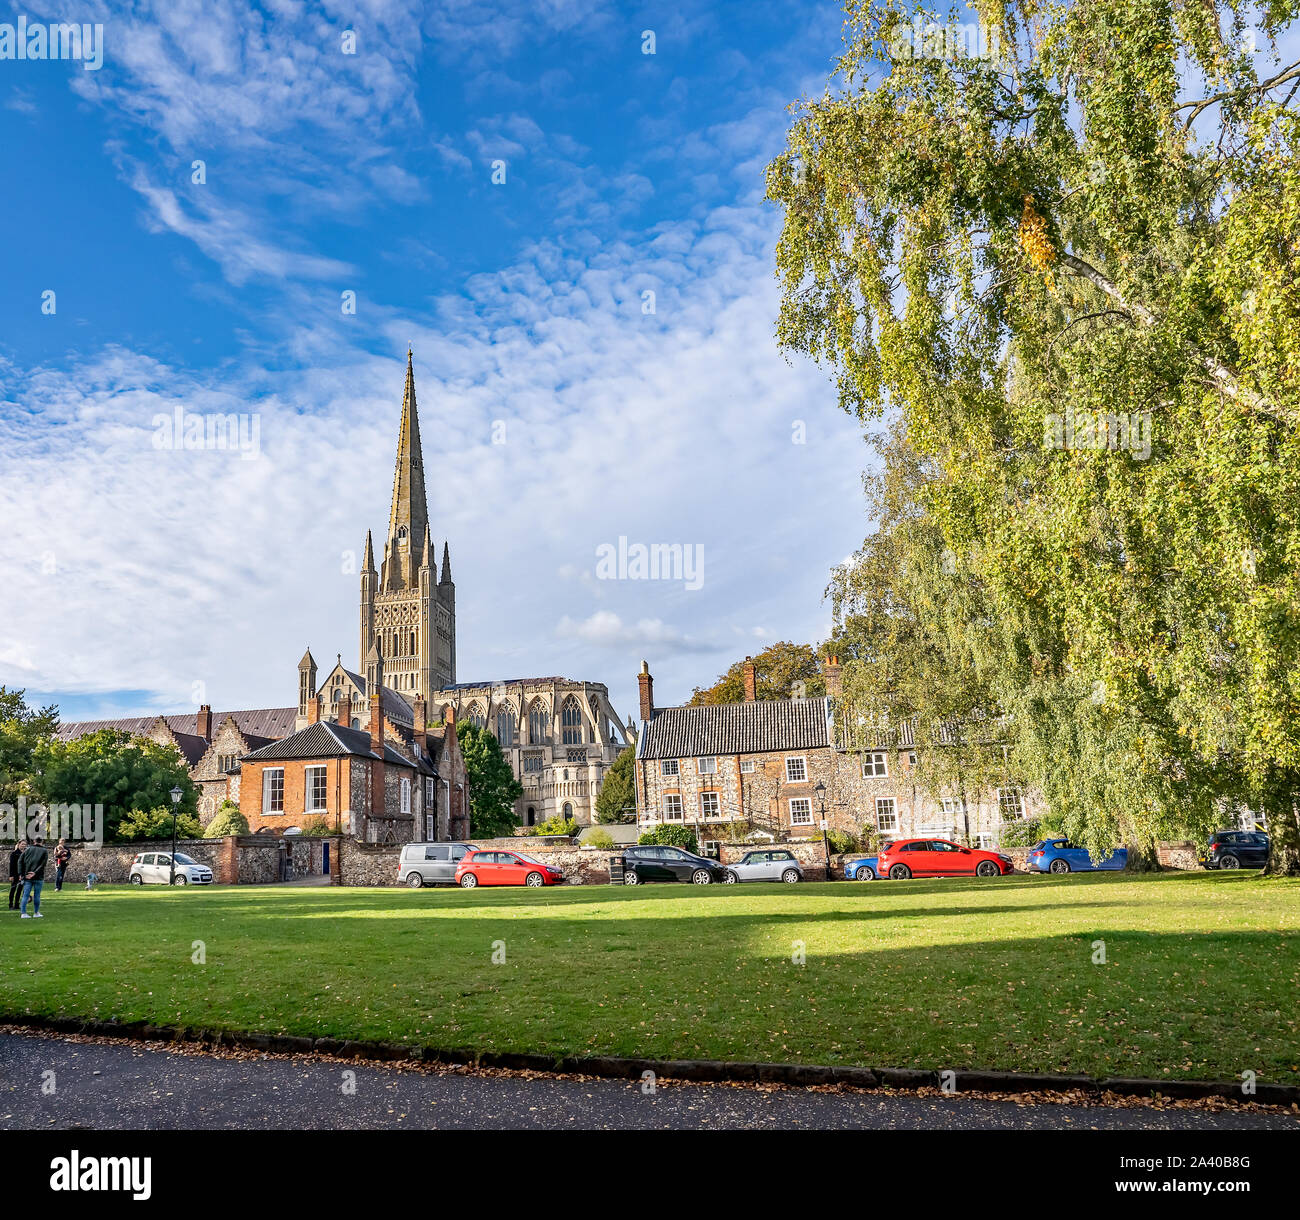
<point>408,614</point>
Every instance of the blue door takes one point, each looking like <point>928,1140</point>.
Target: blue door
<point>325,867</point>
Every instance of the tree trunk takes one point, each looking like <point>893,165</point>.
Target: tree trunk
<point>1142,857</point>
<point>1283,827</point>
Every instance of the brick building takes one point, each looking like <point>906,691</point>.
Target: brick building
<point>774,768</point>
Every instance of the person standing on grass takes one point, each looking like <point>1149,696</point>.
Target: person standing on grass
<point>62,855</point>
<point>15,877</point>
<point>32,867</point>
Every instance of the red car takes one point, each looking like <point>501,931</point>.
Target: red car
<point>504,868</point>
<point>940,858</point>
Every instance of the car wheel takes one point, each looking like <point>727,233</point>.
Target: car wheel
<point>136,879</point>
<point>701,877</point>
<point>630,877</point>
<point>415,880</point>
<point>864,874</point>
<point>1059,866</point>
<point>181,879</point>
<point>1229,861</point>
<point>730,878</point>
<point>790,876</point>
<point>986,868</point>
<point>534,879</point>
<point>900,872</point>
<point>468,881</point>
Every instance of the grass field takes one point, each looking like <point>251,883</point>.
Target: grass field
<point>1201,979</point>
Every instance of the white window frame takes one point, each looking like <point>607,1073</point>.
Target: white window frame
<point>802,760</point>
<point>267,774</point>
<point>711,769</point>
<point>309,784</point>
<point>882,813</point>
<point>406,794</point>
<point>806,802</point>
<point>952,807</point>
<point>669,767</point>
<point>1006,794</point>
<point>672,811</point>
<point>985,840</point>
<point>705,815</point>
<point>875,765</point>
<point>746,766</point>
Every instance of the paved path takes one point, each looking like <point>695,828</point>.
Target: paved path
<point>111,1086</point>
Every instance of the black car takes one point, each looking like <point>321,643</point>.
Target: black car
<point>1236,849</point>
<point>669,864</point>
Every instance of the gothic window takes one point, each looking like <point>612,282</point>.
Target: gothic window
<point>538,729</point>
<point>506,726</point>
<point>476,716</point>
<point>571,722</point>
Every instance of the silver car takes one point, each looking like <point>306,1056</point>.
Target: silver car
<point>155,868</point>
<point>769,865</point>
<point>430,863</point>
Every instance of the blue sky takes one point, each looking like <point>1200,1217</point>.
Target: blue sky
<point>557,415</point>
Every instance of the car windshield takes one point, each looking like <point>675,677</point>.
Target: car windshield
<point>527,859</point>
<point>182,858</point>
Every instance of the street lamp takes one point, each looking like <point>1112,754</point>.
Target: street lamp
<point>820,789</point>
<point>176,808</point>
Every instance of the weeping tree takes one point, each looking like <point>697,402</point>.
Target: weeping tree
<point>1060,244</point>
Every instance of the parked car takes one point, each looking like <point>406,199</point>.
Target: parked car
<point>155,868</point>
<point>1236,849</point>
<point>768,865</point>
<point>430,863</point>
<point>1062,856</point>
<point>669,864</point>
<point>504,868</point>
<point>867,868</point>
<point>940,858</point>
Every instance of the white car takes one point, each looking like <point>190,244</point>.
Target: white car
<point>769,865</point>
<point>154,868</point>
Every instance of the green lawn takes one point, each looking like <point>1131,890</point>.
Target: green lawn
<point>1202,977</point>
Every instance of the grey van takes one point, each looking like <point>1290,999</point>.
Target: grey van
<point>430,863</point>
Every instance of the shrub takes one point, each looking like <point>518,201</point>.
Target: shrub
<point>317,826</point>
<point>671,836</point>
<point>228,821</point>
<point>600,839</point>
<point>842,841</point>
<point>558,826</point>
<point>1020,834</point>
<point>157,824</point>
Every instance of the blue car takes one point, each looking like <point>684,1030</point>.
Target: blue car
<point>863,869</point>
<point>1061,856</point>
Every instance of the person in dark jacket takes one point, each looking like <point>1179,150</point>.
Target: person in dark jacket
<point>62,854</point>
<point>15,877</point>
<point>32,867</point>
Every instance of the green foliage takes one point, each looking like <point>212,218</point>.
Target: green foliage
<point>493,788</point>
<point>227,821</point>
<point>1070,274</point>
<point>841,841</point>
<point>616,800</point>
<point>777,669</point>
<point>1022,834</point>
<point>111,768</point>
<point>22,731</point>
<point>671,836</point>
<point>157,824</point>
<point>318,827</point>
<point>602,840</point>
<point>558,825</point>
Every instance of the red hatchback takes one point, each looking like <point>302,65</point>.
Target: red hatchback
<point>504,868</point>
<point>940,858</point>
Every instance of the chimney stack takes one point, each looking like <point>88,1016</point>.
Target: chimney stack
<point>833,683</point>
<point>203,722</point>
<point>421,726</point>
<point>647,684</point>
<point>314,709</point>
<point>450,718</point>
<point>751,684</point>
<point>345,709</point>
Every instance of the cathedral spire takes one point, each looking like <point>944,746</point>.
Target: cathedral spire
<point>426,560</point>
<point>409,518</point>
<point>446,565</point>
<point>368,562</point>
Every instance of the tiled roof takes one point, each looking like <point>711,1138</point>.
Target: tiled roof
<point>735,728</point>
<point>191,745</point>
<point>514,682</point>
<point>326,739</point>
<point>268,722</point>
<point>392,704</point>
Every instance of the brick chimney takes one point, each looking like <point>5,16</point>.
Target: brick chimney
<point>833,683</point>
<point>647,684</point>
<point>345,709</point>
<point>450,717</point>
<point>751,683</point>
<point>421,726</point>
<point>315,708</point>
<point>376,747</point>
<point>203,722</point>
